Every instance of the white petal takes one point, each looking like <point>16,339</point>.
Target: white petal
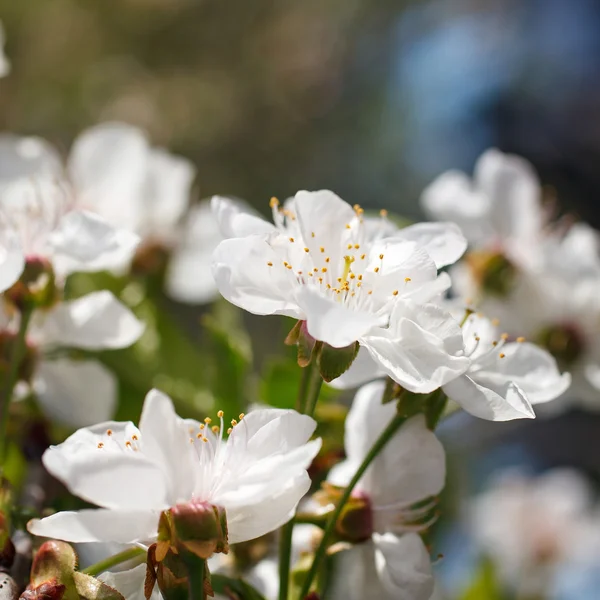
<point>502,404</point>
<point>532,369</point>
<point>332,322</point>
<point>242,273</point>
<point>189,276</point>
<point>22,156</point>
<point>124,526</point>
<point>237,219</point>
<point>130,583</point>
<point>362,370</point>
<point>76,393</point>
<point>451,197</point>
<point>12,258</point>
<point>248,522</point>
<point>166,191</point>
<point>84,241</point>
<point>96,321</point>
<point>403,566</point>
<point>323,216</point>
<point>166,443</point>
<point>514,192</point>
<point>415,358</point>
<point>444,242</point>
<point>111,470</point>
<point>108,166</point>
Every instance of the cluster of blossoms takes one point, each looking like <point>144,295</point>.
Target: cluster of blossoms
<point>539,275</point>
<point>371,305</point>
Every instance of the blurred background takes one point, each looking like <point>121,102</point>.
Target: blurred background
<point>369,99</point>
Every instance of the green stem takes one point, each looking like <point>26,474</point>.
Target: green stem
<point>308,396</point>
<point>195,569</point>
<point>377,447</point>
<point>13,375</point>
<point>114,560</point>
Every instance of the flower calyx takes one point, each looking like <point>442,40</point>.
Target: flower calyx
<point>36,288</point>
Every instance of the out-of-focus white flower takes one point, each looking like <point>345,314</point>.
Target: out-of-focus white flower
<point>397,489</point>
<point>258,475</point>
<point>75,392</point>
<point>529,525</point>
<point>504,379</point>
<point>130,583</point>
<point>38,221</point>
<point>323,263</point>
<point>4,62</point>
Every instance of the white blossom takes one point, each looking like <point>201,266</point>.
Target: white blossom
<point>399,487</point>
<point>324,263</point>
<point>258,474</point>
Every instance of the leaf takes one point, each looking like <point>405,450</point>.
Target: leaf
<point>334,362</point>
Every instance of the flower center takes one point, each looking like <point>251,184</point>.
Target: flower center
<point>564,342</point>
<point>493,271</point>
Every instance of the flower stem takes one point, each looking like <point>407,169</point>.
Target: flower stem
<point>13,375</point>
<point>308,395</point>
<point>377,447</point>
<point>195,567</point>
<point>114,560</point>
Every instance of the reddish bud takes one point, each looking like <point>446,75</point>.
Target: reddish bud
<point>36,288</point>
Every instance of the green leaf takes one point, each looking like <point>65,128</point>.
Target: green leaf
<point>485,584</point>
<point>334,362</point>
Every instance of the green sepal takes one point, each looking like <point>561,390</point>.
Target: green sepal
<point>334,362</point>
<point>233,587</point>
<point>304,342</point>
<point>434,408</point>
<point>90,588</point>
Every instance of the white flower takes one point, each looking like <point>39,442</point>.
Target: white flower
<point>4,62</point>
<point>398,487</point>
<point>130,583</point>
<point>499,209</point>
<point>504,379</point>
<point>258,474</point>
<point>76,392</point>
<point>526,523</point>
<point>324,263</point>
<point>112,171</point>
<point>37,220</point>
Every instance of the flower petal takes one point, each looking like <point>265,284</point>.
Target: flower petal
<point>97,321</point>
<point>414,357</point>
<point>27,156</point>
<point>108,166</point>
<point>514,192</point>
<point>332,322</point>
<point>12,259</point>
<point>249,521</point>
<point>130,583</point>
<point>403,566</point>
<point>84,241</point>
<point>107,464</point>
<point>504,403</point>
<point>444,242</point>
<point>124,526</point>
<point>236,219</point>
<point>166,443</point>
<point>76,393</point>
<point>166,190</point>
<point>531,368</point>
<point>244,277</point>
<point>189,277</point>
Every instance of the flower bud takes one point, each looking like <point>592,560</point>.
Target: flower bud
<point>493,271</point>
<point>54,562</point>
<point>36,288</point>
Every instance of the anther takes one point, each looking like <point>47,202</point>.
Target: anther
<point>273,203</point>
<point>356,246</point>
<point>348,226</point>
<point>215,429</point>
<point>100,445</point>
<point>306,250</point>
<point>381,256</point>
<point>407,279</point>
<point>376,269</point>
<point>520,339</point>
<point>241,416</point>
<point>292,240</point>
<point>208,420</point>
<point>395,292</point>
<point>202,426</point>
<point>324,270</point>
<point>383,213</point>
<point>495,322</point>
<point>504,336</point>
<point>199,435</point>
<point>363,256</point>
<point>233,422</point>
<point>349,246</point>
<point>321,249</point>
<point>220,414</point>
<point>327,259</point>
<point>229,431</point>
<point>312,234</point>
<point>109,432</point>
<point>134,437</point>
<point>128,444</point>
<point>270,264</point>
